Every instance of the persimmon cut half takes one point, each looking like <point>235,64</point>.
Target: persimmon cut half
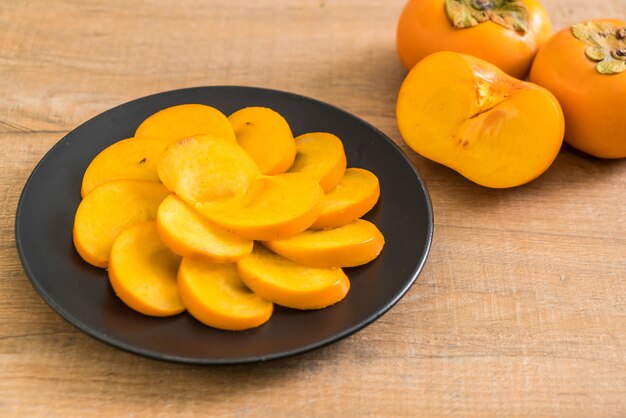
<point>183,121</point>
<point>215,295</point>
<point>143,271</point>
<point>467,114</point>
<point>274,207</point>
<point>292,284</point>
<point>354,244</point>
<point>132,158</point>
<point>107,210</point>
<point>354,196</point>
<point>190,234</point>
<point>206,168</point>
<point>321,155</point>
<point>266,137</point>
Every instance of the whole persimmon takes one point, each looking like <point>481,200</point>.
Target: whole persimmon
<point>584,66</point>
<point>506,33</point>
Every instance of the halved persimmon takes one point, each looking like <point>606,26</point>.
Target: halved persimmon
<point>215,295</point>
<point>143,271</point>
<point>107,210</point>
<point>266,136</point>
<point>182,121</point>
<point>291,284</point>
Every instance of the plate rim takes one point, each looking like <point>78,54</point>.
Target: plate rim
<point>152,354</point>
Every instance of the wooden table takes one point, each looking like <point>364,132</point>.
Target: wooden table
<point>520,309</point>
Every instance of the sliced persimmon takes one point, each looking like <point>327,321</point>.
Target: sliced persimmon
<point>354,196</point>
<point>274,207</point>
<point>206,168</point>
<point>142,271</point>
<point>321,155</point>
<point>291,284</point>
<point>132,158</point>
<point>354,244</point>
<point>266,137</point>
<point>190,234</point>
<point>110,208</point>
<point>215,295</point>
<point>182,121</point>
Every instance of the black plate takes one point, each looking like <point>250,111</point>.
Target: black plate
<point>82,295</point>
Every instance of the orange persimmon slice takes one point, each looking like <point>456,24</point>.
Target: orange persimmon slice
<point>206,168</point>
<point>291,284</point>
<point>143,271</point>
<point>266,137</point>
<point>321,155</point>
<point>189,234</point>
<point>353,197</point>
<point>215,295</point>
<point>274,207</point>
<point>183,121</point>
<point>356,243</point>
<point>132,158</point>
<point>110,208</point>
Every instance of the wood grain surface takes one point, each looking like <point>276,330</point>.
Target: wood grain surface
<point>520,310</point>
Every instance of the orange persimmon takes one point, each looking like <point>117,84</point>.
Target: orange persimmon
<point>353,197</point>
<point>585,67</point>
<point>143,271</point>
<point>354,244</point>
<point>190,234</point>
<point>321,155</point>
<point>183,121</point>
<point>215,295</point>
<point>132,158</point>
<point>467,114</point>
<point>107,210</point>
<point>266,136</point>
<point>506,33</point>
<point>291,284</point>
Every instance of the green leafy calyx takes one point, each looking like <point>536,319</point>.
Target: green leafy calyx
<point>511,14</point>
<point>606,45</point>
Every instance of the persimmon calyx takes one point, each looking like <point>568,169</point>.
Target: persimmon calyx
<point>511,14</point>
<point>606,45</point>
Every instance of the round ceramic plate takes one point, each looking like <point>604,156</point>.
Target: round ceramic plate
<point>82,295</point>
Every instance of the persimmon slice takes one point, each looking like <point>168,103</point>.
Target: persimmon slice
<point>321,155</point>
<point>354,196</point>
<point>215,295</point>
<point>143,271</point>
<point>265,135</point>
<point>132,158</point>
<point>356,243</point>
<point>274,207</point>
<point>110,208</point>
<point>292,284</point>
<point>206,168</point>
<point>189,234</point>
<point>183,121</point>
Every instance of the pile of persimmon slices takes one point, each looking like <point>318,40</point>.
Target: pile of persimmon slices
<point>225,217</point>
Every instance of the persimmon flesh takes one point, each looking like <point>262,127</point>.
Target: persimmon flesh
<point>291,284</point>
<point>265,135</point>
<point>320,155</point>
<point>467,114</point>
<point>142,271</point>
